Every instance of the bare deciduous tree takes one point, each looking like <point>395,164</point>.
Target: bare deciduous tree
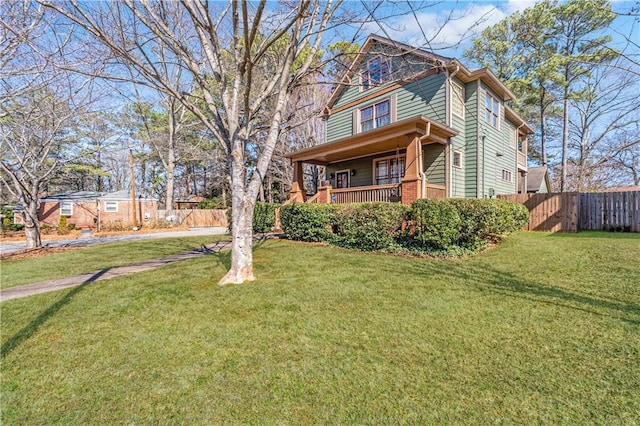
<point>240,56</point>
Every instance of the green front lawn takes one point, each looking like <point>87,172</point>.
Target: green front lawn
<point>543,329</point>
<point>94,258</point>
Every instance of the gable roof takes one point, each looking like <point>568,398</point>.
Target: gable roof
<point>74,196</point>
<point>124,195</point>
<point>81,196</point>
<point>535,176</point>
<point>438,61</point>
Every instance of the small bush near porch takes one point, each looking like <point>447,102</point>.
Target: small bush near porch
<point>544,329</point>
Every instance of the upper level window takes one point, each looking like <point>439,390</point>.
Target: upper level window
<point>457,99</point>
<point>492,110</point>
<point>374,116</point>
<point>111,206</point>
<point>66,208</point>
<point>378,72</point>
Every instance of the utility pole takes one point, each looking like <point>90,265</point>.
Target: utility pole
<point>133,192</point>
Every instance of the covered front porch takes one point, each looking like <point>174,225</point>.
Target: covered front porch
<point>400,162</point>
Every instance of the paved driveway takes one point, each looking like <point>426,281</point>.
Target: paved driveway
<point>87,241</point>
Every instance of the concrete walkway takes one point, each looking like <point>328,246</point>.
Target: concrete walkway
<point>105,274</point>
<point>9,247</point>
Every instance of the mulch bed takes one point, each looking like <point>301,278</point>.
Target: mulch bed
<point>34,253</point>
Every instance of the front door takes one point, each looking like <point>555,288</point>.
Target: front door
<point>342,179</point>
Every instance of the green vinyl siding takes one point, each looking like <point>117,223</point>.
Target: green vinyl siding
<point>402,67</point>
<point>434,163</point>
<point>339,125</point>
<point>363,169</point>
<point>362,166</point>
<point>471,140</point>
<point>458,143</point>
<point>543,187</point>
<point>423,97</point>
<point>498,154</point>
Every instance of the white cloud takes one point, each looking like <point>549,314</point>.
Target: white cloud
<point>519,5</point>
<point>441,30</point>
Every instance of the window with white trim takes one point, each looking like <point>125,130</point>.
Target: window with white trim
<point>457,99</point>
<point>492,110</point>
<point>513,139</point>
<point>457,159</point>
<point>378,71</point>
<point>507,176</point>
<point>376,115</point>
<point>66,208</point>
<point>388,170</point>
<point>111,206</point>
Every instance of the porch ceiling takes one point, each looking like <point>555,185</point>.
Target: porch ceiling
<point>384,139</point>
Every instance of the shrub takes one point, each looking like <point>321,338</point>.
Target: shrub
<point>6,222</point>
<point>116,225</point>
<point>486,220</point>
<point>63,228</point>
<point>160,224</point>
<point>264,217</point>
<point>437,224</point>
<point>307,222</point>
<point>368,226</point>
<point>16,226</point>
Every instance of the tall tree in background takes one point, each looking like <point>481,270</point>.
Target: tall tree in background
<point>545,53</point>
<point>37,139</point>
<point>580,50</point>
<point>605,114</point>
<point>238,55</point>
<point>40,105</point>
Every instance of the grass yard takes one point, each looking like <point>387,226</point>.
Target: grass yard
<point>94,258</point>
<point>543,329</point>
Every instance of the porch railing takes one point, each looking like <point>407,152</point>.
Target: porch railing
<point>389,193</point>
<point>362,194</point>
<point>522,158</point>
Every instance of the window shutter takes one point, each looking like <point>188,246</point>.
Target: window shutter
<point>356,121</point>
<point>393,106</point>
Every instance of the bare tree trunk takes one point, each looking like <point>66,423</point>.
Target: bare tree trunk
<point>543,129</point>
<point>242,204</point>
<point>565,142</point>
<point>32,225</point>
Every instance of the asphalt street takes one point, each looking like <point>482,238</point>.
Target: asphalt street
<point>10,247</point>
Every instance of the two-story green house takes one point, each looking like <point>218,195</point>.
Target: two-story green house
<point>406,124</point>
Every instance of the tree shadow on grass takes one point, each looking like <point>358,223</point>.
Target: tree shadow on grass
<point>509,284</point>
<point>30,329</point>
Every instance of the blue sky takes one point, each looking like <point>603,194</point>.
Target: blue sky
<point>448,26</point>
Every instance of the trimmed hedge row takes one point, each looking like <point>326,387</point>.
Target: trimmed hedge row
<point>429,226</point>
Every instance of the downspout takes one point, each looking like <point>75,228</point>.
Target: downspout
<point>525,159</point>
<point>479,135</point>
<point>423,176</point>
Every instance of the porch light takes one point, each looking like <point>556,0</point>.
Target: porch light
<point>353,172</point>
<point>332,175</point>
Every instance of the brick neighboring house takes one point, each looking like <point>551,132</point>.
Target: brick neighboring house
<point>95,210</point>
<point>406,124</point>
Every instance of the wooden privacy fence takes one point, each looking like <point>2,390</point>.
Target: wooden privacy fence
<point>573,211</point>
<point>610,211</point>
<point>195,218</point>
